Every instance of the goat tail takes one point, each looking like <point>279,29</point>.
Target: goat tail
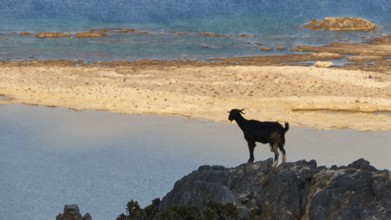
<point>286,127</point>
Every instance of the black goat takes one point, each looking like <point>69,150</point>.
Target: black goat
<point>263,132</point>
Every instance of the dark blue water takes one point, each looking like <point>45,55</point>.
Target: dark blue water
<point>274,23</point>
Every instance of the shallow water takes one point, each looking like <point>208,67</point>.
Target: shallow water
<point>276,23</point>
<point>50,157</point>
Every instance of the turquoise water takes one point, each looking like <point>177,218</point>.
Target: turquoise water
<point>274,23</point>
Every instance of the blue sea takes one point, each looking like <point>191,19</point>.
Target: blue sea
<point>245,26</point>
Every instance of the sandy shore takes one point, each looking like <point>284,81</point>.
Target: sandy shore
<point>308,96</point>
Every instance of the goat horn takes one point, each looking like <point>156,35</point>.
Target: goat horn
<point>241,111</point>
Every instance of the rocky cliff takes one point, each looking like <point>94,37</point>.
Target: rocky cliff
<point>297,190</point>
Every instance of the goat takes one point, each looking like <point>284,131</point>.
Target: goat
<point>263,132</point>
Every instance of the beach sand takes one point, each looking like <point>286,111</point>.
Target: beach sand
<point>307,96</point>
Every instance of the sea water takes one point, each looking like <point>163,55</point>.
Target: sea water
<point>50,157</point>
<point>264,23</point>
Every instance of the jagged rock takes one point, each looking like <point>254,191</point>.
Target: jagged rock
<point>72,212</point>
<point>348,195</point>
<point>291,191</point>
<point>342,24</point>
<point>362,165</point>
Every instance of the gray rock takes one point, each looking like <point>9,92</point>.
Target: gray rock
<point>291,191</point>
<point>72,212</point>
<point>362,164</point>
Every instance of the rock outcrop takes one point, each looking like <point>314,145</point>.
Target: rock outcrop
<point>297,190</point>
<point>342,24</point>
<point>53,35</point>
<point>72,212</point>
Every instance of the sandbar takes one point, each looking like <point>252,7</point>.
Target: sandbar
<point>306,96</point>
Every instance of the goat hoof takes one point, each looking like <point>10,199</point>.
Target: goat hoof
<point>250,161</point>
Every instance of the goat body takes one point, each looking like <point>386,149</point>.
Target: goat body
<point>263,132</point>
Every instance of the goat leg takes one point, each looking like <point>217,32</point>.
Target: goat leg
<point>275,150</point>
<point>283,153</point>
<point>283,156</point>
<point>251,146</point>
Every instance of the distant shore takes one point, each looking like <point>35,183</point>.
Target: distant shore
<point>289,87</point>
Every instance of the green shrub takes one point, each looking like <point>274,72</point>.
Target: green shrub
<point>212,211</point>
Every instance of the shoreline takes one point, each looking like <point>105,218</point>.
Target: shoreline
<point>304,87</point>
<point>168,44</point>
<point>371,54</point>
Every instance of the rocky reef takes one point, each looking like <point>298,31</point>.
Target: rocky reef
<point>295,190</point>
<point>90,34</point>
<point>342,24</point>
<point>50,34</point>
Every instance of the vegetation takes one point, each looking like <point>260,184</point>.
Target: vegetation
<point>212,211</point>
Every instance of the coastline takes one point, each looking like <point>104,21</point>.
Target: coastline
<point>269,88</point>
<point>305,87</point>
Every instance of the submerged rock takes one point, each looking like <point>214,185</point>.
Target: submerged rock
<point>359,58</point>
<point>90,34</point>
<point>266,49</point>
<point>25,33</point>
<point>209,34</point>
<point>342,24</point>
